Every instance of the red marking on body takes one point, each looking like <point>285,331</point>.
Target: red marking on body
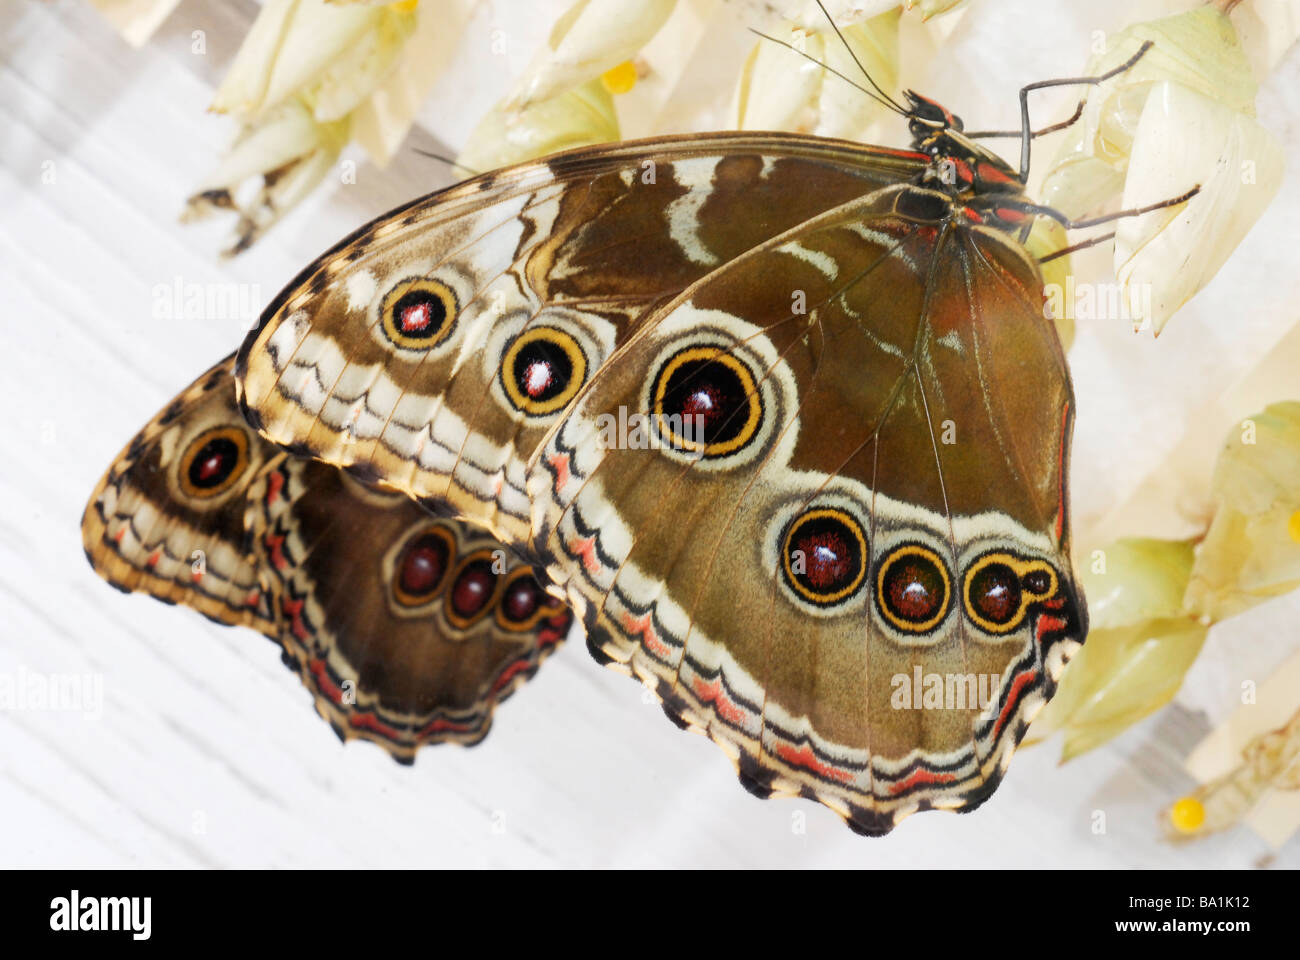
<point>990,173</point>
<point>254,598</point>
<point>274,486</point>
<point>1010,214</point>
<point>117,537</point>
<point>641,626</point>
<point>196,575</point>
<point>585,548</point>
<point>154,558</point>
<point>560,464</point>
<point>803,756</point>
<point>723,705</point>
<point>1017,685</point>
<point>927,777</point>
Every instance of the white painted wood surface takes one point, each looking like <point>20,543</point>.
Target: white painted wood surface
<point>205,751</point>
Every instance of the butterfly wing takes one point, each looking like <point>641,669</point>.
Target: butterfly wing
<point>406,628</point>
<point>167,518</point>
<point>854,574</point>
<point>200,510</point>
<point>435,347</point>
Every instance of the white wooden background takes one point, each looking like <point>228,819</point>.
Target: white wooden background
<point>206,751</point>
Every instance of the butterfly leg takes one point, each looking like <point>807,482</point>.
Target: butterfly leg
<point>1026,133</point>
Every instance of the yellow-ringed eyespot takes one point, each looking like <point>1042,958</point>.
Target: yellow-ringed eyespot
<point>213,462</point>
<point>825,555</point>
<point>422,567</point>
<point>418,313</point>
<point>543,370</point>
<point>705,400</point>
<point>913,588</point>
<point>523,601</point>
<point>474,587</point>
<point>1000,587</point>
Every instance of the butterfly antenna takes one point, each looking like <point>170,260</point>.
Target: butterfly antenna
<point>447,160</point>
<point>852,53</point>
<point>886,103</point>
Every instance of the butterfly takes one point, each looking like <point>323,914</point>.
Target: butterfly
<point>406,629</point>
<point>781,418</point>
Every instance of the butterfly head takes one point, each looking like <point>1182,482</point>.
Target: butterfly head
<point>927,117</point>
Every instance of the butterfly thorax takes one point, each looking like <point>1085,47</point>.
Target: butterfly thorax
<point>985,188</point>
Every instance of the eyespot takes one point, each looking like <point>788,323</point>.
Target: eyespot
<point>421,568</point>
<point>418,313</point>
<point>1000,588</point>
<point>213,462</point>
<point>523,601</point>
<point>912,588</point>
<point>824,555</point>
<point>706,401</point>
<point>473,588</point>
<point>543,370</point>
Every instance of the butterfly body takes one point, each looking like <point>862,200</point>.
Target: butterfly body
<point>876,499</point>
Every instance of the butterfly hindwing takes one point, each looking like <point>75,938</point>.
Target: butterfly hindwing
<point>784,574</point>
<point>200,510</point>
<point>167,518</point>
<point>408,629</point>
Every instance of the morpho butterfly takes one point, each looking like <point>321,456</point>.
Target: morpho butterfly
<point>780,417</point>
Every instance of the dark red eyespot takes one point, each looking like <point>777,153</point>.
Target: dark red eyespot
<point>1038,582</point>
<point>213,462</point>
<point>422,566</point>
<point>472,591</point>
<point>993,592</point>
<point>707,401</point>
<point>912,588</point>
<point>824,555</point>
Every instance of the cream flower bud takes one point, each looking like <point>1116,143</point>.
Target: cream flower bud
<point>591,37</point>
<point>1140,644</point>
<point>1184,139</point>
<point>1252,549</point>
<point>579,117</point>
<point>781,90</point>
<point>289,150</point>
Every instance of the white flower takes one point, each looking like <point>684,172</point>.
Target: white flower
<point>1184,138</point>
<point>591,37</point>
<point>783,89</point>
<point>289,150</point>
<point>576,118</point>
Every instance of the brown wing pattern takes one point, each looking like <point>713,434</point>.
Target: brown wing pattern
<point>791,437</point>
<point>386,614</point>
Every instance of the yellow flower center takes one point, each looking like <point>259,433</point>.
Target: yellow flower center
<point>620,79</point>
<point>1293,526</point>
<point>1187,815</point>
<point>406,6</point>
